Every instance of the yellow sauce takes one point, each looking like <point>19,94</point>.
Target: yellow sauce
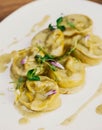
<point>41,128</point>
<point>2,94</point>
<point>23,120</point>
<point>4,60</point>
<point>38,25</point>
<point>99,109</point>
<point>74,115</point>
<point>27,113</point>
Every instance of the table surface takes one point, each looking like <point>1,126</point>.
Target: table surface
<point>8,6</point>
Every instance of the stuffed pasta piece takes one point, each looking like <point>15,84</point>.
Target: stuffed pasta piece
<point>24,60</point>
<point>52,42</point>
<point>89,49</point>
<point>76,24</point>
<point>71,78</point>
<point>42,95</point>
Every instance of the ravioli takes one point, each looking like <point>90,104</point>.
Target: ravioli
<point>71,78</point>
<point>89,50</point>
<point>23,61</point>
<point>77,24</point>
<point>51,41</point>
<point>40,95</point>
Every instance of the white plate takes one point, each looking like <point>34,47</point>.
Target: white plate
<point>16,27</point>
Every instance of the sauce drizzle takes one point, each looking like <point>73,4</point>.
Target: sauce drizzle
<point>38,25</point>
<point>99,109</point>
<point>23,120</point>
<point>41,128</point>
<point>74,115</point>
<point>4,60</point>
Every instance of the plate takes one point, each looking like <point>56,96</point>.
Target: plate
<point>16,32</point>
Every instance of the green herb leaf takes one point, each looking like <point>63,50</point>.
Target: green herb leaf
<point>39,59</point>
<point>34,78</point>
<point>46,60</point>
<point>70,51</point>
<point>72,25</point>
<point>59,20</point>
<point>62,28</point>
<point>43,59</point>
<point>31,75</point>
<point>19,82</point>
<point>48,57</point>
<point>51,27</point>
<point>52,67</point>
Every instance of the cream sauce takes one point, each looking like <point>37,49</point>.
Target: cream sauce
<point>23,120</point>
<point>99,109</point>
<point>41,128</point>
<point>38,25</point>
<point>74,115</point>
<point>2,94</point>
<point>4,60</point>
<point>27,113</point>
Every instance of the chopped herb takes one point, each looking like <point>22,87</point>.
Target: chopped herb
<point>43,59</point>
<point>68,52</point>
<point>19,82</point>
<point>62,28</point>
<point>31,75</point>
<point>71,24</point>
<point>39,59</point>
<point>51,27</point>
<point>52,67</point>
<point>42,49</point>
<point>58,22</point>
<point>46,59</point>
<point>72,49</point>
